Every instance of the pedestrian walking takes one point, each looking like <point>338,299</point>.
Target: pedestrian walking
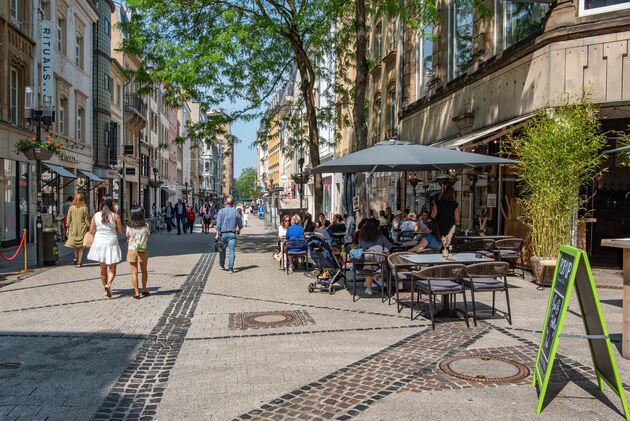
<point>137,250</point>
<point>106,227</point>
<point>206,217</point>
<point>78,224</point>
<point>245,216</point>
<point>190,219</point>
<point>229,224</point>
<point>169,212</point>
<point>180,216</point>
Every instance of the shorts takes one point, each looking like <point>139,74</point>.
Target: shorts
<point>134,256</point>
<point>432,242</point>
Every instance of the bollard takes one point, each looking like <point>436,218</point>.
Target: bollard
<point>25,253</point>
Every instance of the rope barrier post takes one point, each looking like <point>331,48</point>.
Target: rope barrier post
<point>25,252</point>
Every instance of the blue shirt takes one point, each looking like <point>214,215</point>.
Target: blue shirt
<point>229,220</point>
<point>295,232</point>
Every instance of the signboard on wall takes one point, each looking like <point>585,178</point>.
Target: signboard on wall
<point>47,49</point>
<point>492,200</point>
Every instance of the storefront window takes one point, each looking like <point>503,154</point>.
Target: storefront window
<point>8,190</point>
<point>591,7</point>
<point>460,36</point>
<point>424,61</point>
<point>522,20</point>
<point>23,196</point>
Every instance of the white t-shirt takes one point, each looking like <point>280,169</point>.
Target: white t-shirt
<point>137,236</point>
<point>282,232</point>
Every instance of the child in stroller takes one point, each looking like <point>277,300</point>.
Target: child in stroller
<point>330,271</point>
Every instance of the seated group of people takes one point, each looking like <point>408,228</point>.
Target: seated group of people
<point>292,229</point>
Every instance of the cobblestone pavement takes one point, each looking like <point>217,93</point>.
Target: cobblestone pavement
<point>208,344</point>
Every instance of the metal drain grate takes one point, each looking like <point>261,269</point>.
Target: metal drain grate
<point>479,367</point>
<point>9,366</point>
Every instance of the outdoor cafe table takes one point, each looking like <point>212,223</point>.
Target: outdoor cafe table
<point>437,259</point>
<point>624,243</point>
<point>482,237</point>
<point>426,259</point>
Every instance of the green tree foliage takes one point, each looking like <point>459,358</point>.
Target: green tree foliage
<point>218,51</point>
<point>246,185</point>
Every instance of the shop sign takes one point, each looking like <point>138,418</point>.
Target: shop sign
<point>491,201</point>
<point>67,157</point>
<point>130,171</point>
<point>47,58</point>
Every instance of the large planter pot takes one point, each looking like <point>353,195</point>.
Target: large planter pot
<point>33,154</point>
<point>543,269</point>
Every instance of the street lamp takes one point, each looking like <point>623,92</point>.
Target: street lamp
<point>155,186</point>
<point>121,199</point>
<point>39,116</point>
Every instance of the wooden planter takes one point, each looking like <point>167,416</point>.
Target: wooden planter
<point>543,269</point>
<point>33,154</point>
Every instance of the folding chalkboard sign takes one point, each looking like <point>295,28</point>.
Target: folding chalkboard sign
<point>573,269</point>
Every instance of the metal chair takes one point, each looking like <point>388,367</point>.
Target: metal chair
<point>488,277</point>
<point>511,251</point>
<point>371,265</point>
<point>445,280</point>
<point>396,262</point>
<point>296,243</point>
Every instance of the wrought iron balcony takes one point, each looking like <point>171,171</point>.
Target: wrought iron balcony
<point>133,103</point>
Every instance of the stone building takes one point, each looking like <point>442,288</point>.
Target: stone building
<point>18,38</point>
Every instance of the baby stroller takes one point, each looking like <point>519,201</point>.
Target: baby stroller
<point>329,269</point>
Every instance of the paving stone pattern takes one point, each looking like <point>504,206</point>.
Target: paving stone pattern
<point>139,389</point>
<point>348,391</point>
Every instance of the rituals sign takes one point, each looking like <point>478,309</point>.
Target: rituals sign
<point>47,46</point>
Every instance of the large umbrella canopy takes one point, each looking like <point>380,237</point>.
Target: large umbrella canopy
<point>405,156</point>
<point>621,149</point>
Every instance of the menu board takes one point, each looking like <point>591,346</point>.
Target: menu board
<point>573,269</point>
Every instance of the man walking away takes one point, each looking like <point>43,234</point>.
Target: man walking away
<point>229,224</point>
<point>169,212</point>
<point>180,216</point>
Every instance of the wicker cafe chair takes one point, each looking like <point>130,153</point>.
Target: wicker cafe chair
<point>511,251</point>
<point>396,262</point>
<point>440,280</point>
<point>296,243</point>
<point>372,264</point>
<point>488,277</point>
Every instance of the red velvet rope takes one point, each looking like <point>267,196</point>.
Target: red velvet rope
<point>17,251</point>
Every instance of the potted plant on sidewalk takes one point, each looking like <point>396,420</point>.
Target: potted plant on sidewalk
<point>559,152</point>
<point>42,150</point>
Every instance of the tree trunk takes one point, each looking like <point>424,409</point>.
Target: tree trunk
<point>307,87</point>
<point>362,69</point>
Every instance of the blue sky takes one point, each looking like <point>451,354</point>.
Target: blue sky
<point>244,155</point>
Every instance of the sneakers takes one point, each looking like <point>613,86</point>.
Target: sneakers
<point>369,291</point>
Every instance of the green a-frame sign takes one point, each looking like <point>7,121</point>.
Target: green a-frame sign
<point>574,270</point>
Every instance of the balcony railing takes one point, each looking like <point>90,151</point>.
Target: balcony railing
<point>135,104</point>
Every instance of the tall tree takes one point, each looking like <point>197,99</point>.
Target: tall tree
<point>246,186</point>
<point>218,51</point>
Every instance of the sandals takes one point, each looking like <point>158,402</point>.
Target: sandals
<point>108,291</point>
<point>145,293</point>
<point>137,297</point>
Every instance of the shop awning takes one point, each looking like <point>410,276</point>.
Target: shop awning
<point>91,176</point>
<point>170,192</point>
<point>621,149</point>
<point>488,133</point>
<point>59,170</point>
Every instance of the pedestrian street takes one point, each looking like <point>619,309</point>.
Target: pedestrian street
<point>255,344</point>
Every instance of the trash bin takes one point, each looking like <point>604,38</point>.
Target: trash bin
<point>51,250</point>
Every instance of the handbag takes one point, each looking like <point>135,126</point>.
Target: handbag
<point>141,247</point>
<point>88,239</point>
<point>218,246</point>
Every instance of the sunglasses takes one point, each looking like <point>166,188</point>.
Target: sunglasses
<point>286,220</point>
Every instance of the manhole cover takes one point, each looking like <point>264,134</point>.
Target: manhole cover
<point>484,368</point>
<point>181,321</point>
<point>9,366</point>
<point>269,319</point>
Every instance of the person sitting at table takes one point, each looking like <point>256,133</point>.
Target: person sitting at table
<point>282,233</point>
<point>308,224</point>
<point>355,236</point>
<point>428,241</point>
<point>294,233</point>
<point>396,222</point>
<point>408,227</point>
<point>371,240</point>
<point>321,230</point>
<point>382,219</point>
<point>423,221</point>
<point>337,228</point>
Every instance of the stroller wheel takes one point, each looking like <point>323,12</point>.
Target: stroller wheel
<point>311,287</point>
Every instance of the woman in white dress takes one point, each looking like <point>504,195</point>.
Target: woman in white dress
<point>106,227</point>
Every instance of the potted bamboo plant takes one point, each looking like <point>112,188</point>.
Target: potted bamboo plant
<point>559,152</point>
